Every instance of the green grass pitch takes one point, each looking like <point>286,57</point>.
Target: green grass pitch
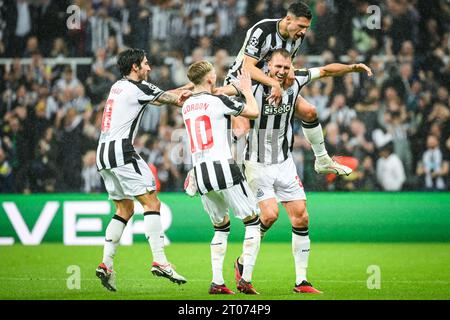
<point>408,271</point>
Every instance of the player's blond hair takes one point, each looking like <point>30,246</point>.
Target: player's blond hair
<point>198,70</point>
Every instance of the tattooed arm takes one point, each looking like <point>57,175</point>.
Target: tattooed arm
<point>174,97</point>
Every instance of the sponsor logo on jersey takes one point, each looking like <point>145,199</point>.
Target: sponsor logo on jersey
<point>274,110</point>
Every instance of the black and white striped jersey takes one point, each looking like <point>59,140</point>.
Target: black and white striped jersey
<point>271,135</point>
<point>123,111</point>
<point>207,119</point>
<point>260,41</point>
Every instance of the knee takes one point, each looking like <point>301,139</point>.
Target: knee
<point>310,114</point>
<point>157,205</point>
<point>154,205</point>
<point>125,212</point>
<point>300,219</point>
<point>269,216</point>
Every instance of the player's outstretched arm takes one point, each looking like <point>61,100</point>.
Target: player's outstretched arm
<point>174,97</point>
<point>339,69</point>
<point>244,84</point>
<point>229,90</point>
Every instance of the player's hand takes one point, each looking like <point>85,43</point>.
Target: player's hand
<point>275,94</point>
<point>361,67</point>
<point>244,81</point>
<point>290,79</point>
<point>183,96</point>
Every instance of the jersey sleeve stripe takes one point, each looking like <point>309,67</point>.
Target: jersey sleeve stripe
<point>250,55</point>
<point>230,104</point>
<point>158,95</point>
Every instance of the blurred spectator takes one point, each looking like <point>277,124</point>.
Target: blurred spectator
<point>359,143</point>
<point>319,96</point>
<point>368,109</point>
<point>221,64</point>
<point>433,169</point>
<point>404,26</point>
<point>32,47</point>
<point>367,178</point>
<point>339,112</point>
<point>18,25</point>
<point>100,27</point>
<point>16,146</point>
<point>101,78</point>
<point>70,149</point>
<point>90,177</point>
<point>49,23</point>
<point>140,25</point>
<point>361,35</point>
<point>59,49</point>
<point>43,170</point>
<point>390,172</point>
<point>6,174</point>
<point>227,16</point>
<point>323,28</point>
<point>68,83</point>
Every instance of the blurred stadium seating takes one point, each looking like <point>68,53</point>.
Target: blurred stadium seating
<point>55,79</point>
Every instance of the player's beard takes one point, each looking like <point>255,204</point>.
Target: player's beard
<point>143,75</point>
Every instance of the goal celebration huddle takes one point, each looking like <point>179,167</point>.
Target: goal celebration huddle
<point>258,102</point>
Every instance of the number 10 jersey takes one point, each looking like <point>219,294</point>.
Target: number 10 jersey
<point>207,119</point>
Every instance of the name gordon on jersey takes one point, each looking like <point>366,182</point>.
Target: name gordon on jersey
<point>274,110</point>
<point>195,106</point>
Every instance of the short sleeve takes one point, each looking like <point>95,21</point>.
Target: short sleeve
<point>255,43</point>
<point>231,106</point>
<point>148,92</point>
<point>303,76</point>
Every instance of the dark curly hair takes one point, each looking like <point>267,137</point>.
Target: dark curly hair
<point>129,57</point>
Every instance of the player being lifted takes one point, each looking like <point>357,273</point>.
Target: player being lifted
<point>288,33</point>
<point>125,174</point>
<point>269,167</point>
<point>220,182</point>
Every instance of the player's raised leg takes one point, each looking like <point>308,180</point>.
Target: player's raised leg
<point>301,244</point>
<point>105,271</point>
<point>155,236</point>
<point>313,132</point>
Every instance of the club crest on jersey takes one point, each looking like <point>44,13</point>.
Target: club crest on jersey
<point>290,91</point>
<point>274,110</point>
<point>259,193</point>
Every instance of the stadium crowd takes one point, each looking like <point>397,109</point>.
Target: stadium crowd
<point>395,126</point>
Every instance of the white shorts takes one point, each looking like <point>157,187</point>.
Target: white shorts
<point>129,180</point>
<point>238,198</point>
<point>279,181</point>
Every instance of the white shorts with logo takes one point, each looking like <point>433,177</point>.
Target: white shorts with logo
<point>279,181</point>
<point>239,198</point>
<point>129,180</point>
